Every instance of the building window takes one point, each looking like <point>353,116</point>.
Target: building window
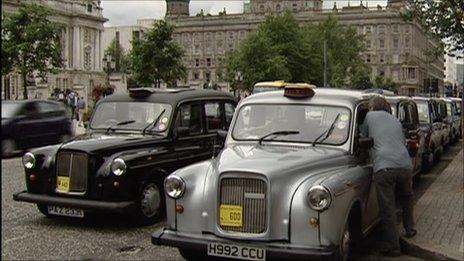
<point>87,58</point>
<point>396,43</point>
<point>196,49</point>
<point>396,58</point>
<point>89,8</point>
<point>407,28</point>
<point>196,76</point>
<point>395,28</point>
<point>277,7</point>
<point>208,76</point>
<point>381,43</point>
<point>381,29</point>
<point>136,35</point>
<point>382,73</point>
<point>412,73</point>
<point>407,41</point>
<point>382,58</point>
<point>395,75</point>
<point>208,62</point>
<point>368,58</point>
<point>261,8</point>
<point>58,83</point>
<point>295,7</point>
<point>86,35</point>
<point>197,62</point>
<point>367,29</point>
<point>368,44</point>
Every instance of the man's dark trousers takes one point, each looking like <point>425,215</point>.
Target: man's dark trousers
<point>385,181</point>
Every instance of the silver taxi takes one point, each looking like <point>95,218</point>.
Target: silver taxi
<point>294,181</point>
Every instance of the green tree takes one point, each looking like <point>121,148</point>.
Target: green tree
<point>275,51</point>
<point>445,19</point>
<point>30,43</point>
<point>385,83</point>
<point>282,50</point>
<point>122,63</point>
<point>345,64</point>
<point>156,57</point>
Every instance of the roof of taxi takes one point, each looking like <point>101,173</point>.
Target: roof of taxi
<point>169,95</point>
<point>326,94</point>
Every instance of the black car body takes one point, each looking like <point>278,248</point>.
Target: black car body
<point>431,128</point>
<point>121,168</point>
<point>32,123</point>
<point>405,109</point>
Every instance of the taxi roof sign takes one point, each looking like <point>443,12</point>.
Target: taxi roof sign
<point>279,83</point>
<point>299,90</point>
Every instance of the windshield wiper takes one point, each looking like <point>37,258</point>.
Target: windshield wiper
<point>277,133</point>
<point>153,123</point>
<point>118,124</point>
<point>326,132</point>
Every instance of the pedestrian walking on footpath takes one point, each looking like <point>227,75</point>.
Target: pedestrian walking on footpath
<point>80,110</point>
<point>392,168</point>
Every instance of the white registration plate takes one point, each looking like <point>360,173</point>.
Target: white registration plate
<point>64,211</point>
<point>238,252</point>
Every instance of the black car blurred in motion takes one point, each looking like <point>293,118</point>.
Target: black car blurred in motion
<point>32,123</point>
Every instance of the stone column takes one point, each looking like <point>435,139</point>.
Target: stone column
<point>76,46</point>
<point>97,51</point>
<point>66,47</point>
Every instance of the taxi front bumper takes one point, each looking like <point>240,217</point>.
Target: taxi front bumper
<point>118,207</point>
<point>283,251</point>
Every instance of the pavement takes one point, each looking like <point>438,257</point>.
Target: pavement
<point>439,217</point>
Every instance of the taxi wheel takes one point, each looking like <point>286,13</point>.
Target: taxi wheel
<point>190,254</point>
<point>150,204</point>
<point>43,209</point>
<point>8,147</point>
<point>346,243</point>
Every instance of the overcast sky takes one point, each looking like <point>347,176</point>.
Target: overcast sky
<point>126,12</point>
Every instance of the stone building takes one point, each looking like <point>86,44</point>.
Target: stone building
<point>396,49</point>
<point>81,41</point>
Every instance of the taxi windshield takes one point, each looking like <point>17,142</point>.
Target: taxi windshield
<point>309,121</point>
<point>135,116</point>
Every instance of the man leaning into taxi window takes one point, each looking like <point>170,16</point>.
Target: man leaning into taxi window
<point>392,167</point>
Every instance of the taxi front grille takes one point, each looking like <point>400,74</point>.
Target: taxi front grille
<point>250,194</point>
<point>72,165</point>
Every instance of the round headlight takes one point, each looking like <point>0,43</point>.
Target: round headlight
<point>29,160</point>
<point>174,186</point>
<point>118,167</point>
<point>319,198</point>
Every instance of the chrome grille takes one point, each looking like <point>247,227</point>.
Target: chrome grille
<point>251,195</point>
<point>75,166</point>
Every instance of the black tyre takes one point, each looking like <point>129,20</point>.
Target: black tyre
<point>345,246</point>
<point>190,254</point>
<point>43,209</point>
<point>150,206</point>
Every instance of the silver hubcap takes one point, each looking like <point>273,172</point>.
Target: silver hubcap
<point>151,200</point>
<point>8,147</point>
<point>345,244</point>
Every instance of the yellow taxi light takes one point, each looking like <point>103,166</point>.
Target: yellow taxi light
<point>299,90</point>
<point>277,84</point>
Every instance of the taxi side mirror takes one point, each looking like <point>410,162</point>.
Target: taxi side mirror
<point>365,143</point>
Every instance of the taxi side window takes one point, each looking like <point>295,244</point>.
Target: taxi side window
<point>189,116</point>
<point>213,116</point>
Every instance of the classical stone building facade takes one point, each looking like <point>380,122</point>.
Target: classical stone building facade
<point>396,49</point>
<point>81,41</point>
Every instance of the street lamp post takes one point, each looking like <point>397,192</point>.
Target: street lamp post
<point>238,80</point>
<point>109,64</point>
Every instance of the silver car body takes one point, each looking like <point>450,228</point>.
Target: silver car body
<point>285,171</point>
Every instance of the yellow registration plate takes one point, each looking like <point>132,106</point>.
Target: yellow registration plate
<point>230,215</point>
<point>62,184</point>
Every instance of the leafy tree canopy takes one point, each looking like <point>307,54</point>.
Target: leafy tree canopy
<point>30,42</point>
<point>156,57</point>
<point>280,49</point>
<point>116,51</point>
<point>444,18</point>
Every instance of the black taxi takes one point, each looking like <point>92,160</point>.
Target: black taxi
<point>133,141</point>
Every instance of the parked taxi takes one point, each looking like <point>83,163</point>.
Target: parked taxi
<point>294,181</point>
<point>133,142</point>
